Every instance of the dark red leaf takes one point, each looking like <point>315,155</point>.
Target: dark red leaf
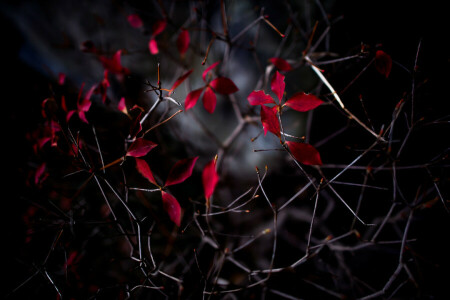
<point>192,98</point>
<point>209,100</point>
<point>181,171</point>
<point>61,78</point>
<point>113,64</point>
<point>305,153</point>
<point>135,21</point>
<point>209,69</point>
<point>303,102</point>
<point>277,85</point>
<point>140,147</point>
<point>259,97</point>
<point>63,103</point>
<point>180,80</point>
<point>280,64</point>
<point>210,178</point>
<point>158,27</point>
<point>144,169</point>
<point>172,207</point>
<point>269,121</point>
<point>183,41</point>
<point>153,46</point>
<point>223,85</point>
<point>40,175</point>
<point>383,63</point>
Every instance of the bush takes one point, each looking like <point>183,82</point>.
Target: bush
<point>316,167</point>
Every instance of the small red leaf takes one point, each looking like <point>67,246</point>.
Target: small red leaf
<point>280,64</point>
<point>183,41</point>
<point>209,178</point>
<point>209,100</point>
<point>305,153</point>
<point>269,121</point>
<point>259,97</point>
<point>144,169</point>
<point>192,98</point>
<point>277,85</point>
<point>40,175</point>
<point>158,27</point>
<point>209,69</point>
<point>135,21</point>
<point>180,80</point>
<point>61,78</point>
<point>122,106</point>
<point>303,102</point>
<point>153,46</point>
<point>383,63</point>
<point>113,64</point>
<point>140,147</point>
<point>172,207</point>
<point>181,171</point>
<point>223,85</point>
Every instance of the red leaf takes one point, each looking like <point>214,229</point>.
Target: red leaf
<point>280,64</point>
<point>113,64</point>
<point>158,27</point>
<point>40,175</point>
<point>172,207</point>
<point>181,171</point>
<point>122,106</point>
<point>61,78</point>
<point>209,69</point>
<point>153,46</point>
<point>383,63</point>
<point>209,178</point>
<point>223,85</point>
<point>144,170</point>
<point>63,103</point>
<point>140,147</point>
<point>303,102</point>
<point>277,85</point>
<point>269,121</point>
<point>183,41</point>
<point>305,153</point>
<point>209,100</point>
<point>135,21</point>
<point>192,98</point>
<point>259,97</point>
<point>180,80</point>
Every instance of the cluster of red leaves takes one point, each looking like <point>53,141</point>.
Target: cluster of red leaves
<point>302,102</point>
<point>221,85</point>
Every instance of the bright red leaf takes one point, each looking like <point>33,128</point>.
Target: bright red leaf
<point>210,178</point>
<point>181,171</point>
<point>303,102</point>
<point>140,147</point>
<point>280,64</point>
<point>277,85</point>
<point>144,169</point>
<point>172,207</point>
<point>209,100</point>
<point>180,80</point>
<point>183,41</point>
<point>122,106</point>
<point>192,98</point>
<point>383,63</point>
<point>305,153</point>
<point>269,121</point>
<point>135,21</point>
<point>259,98</point>
<point>153,46</point>
<point>223,85</point>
